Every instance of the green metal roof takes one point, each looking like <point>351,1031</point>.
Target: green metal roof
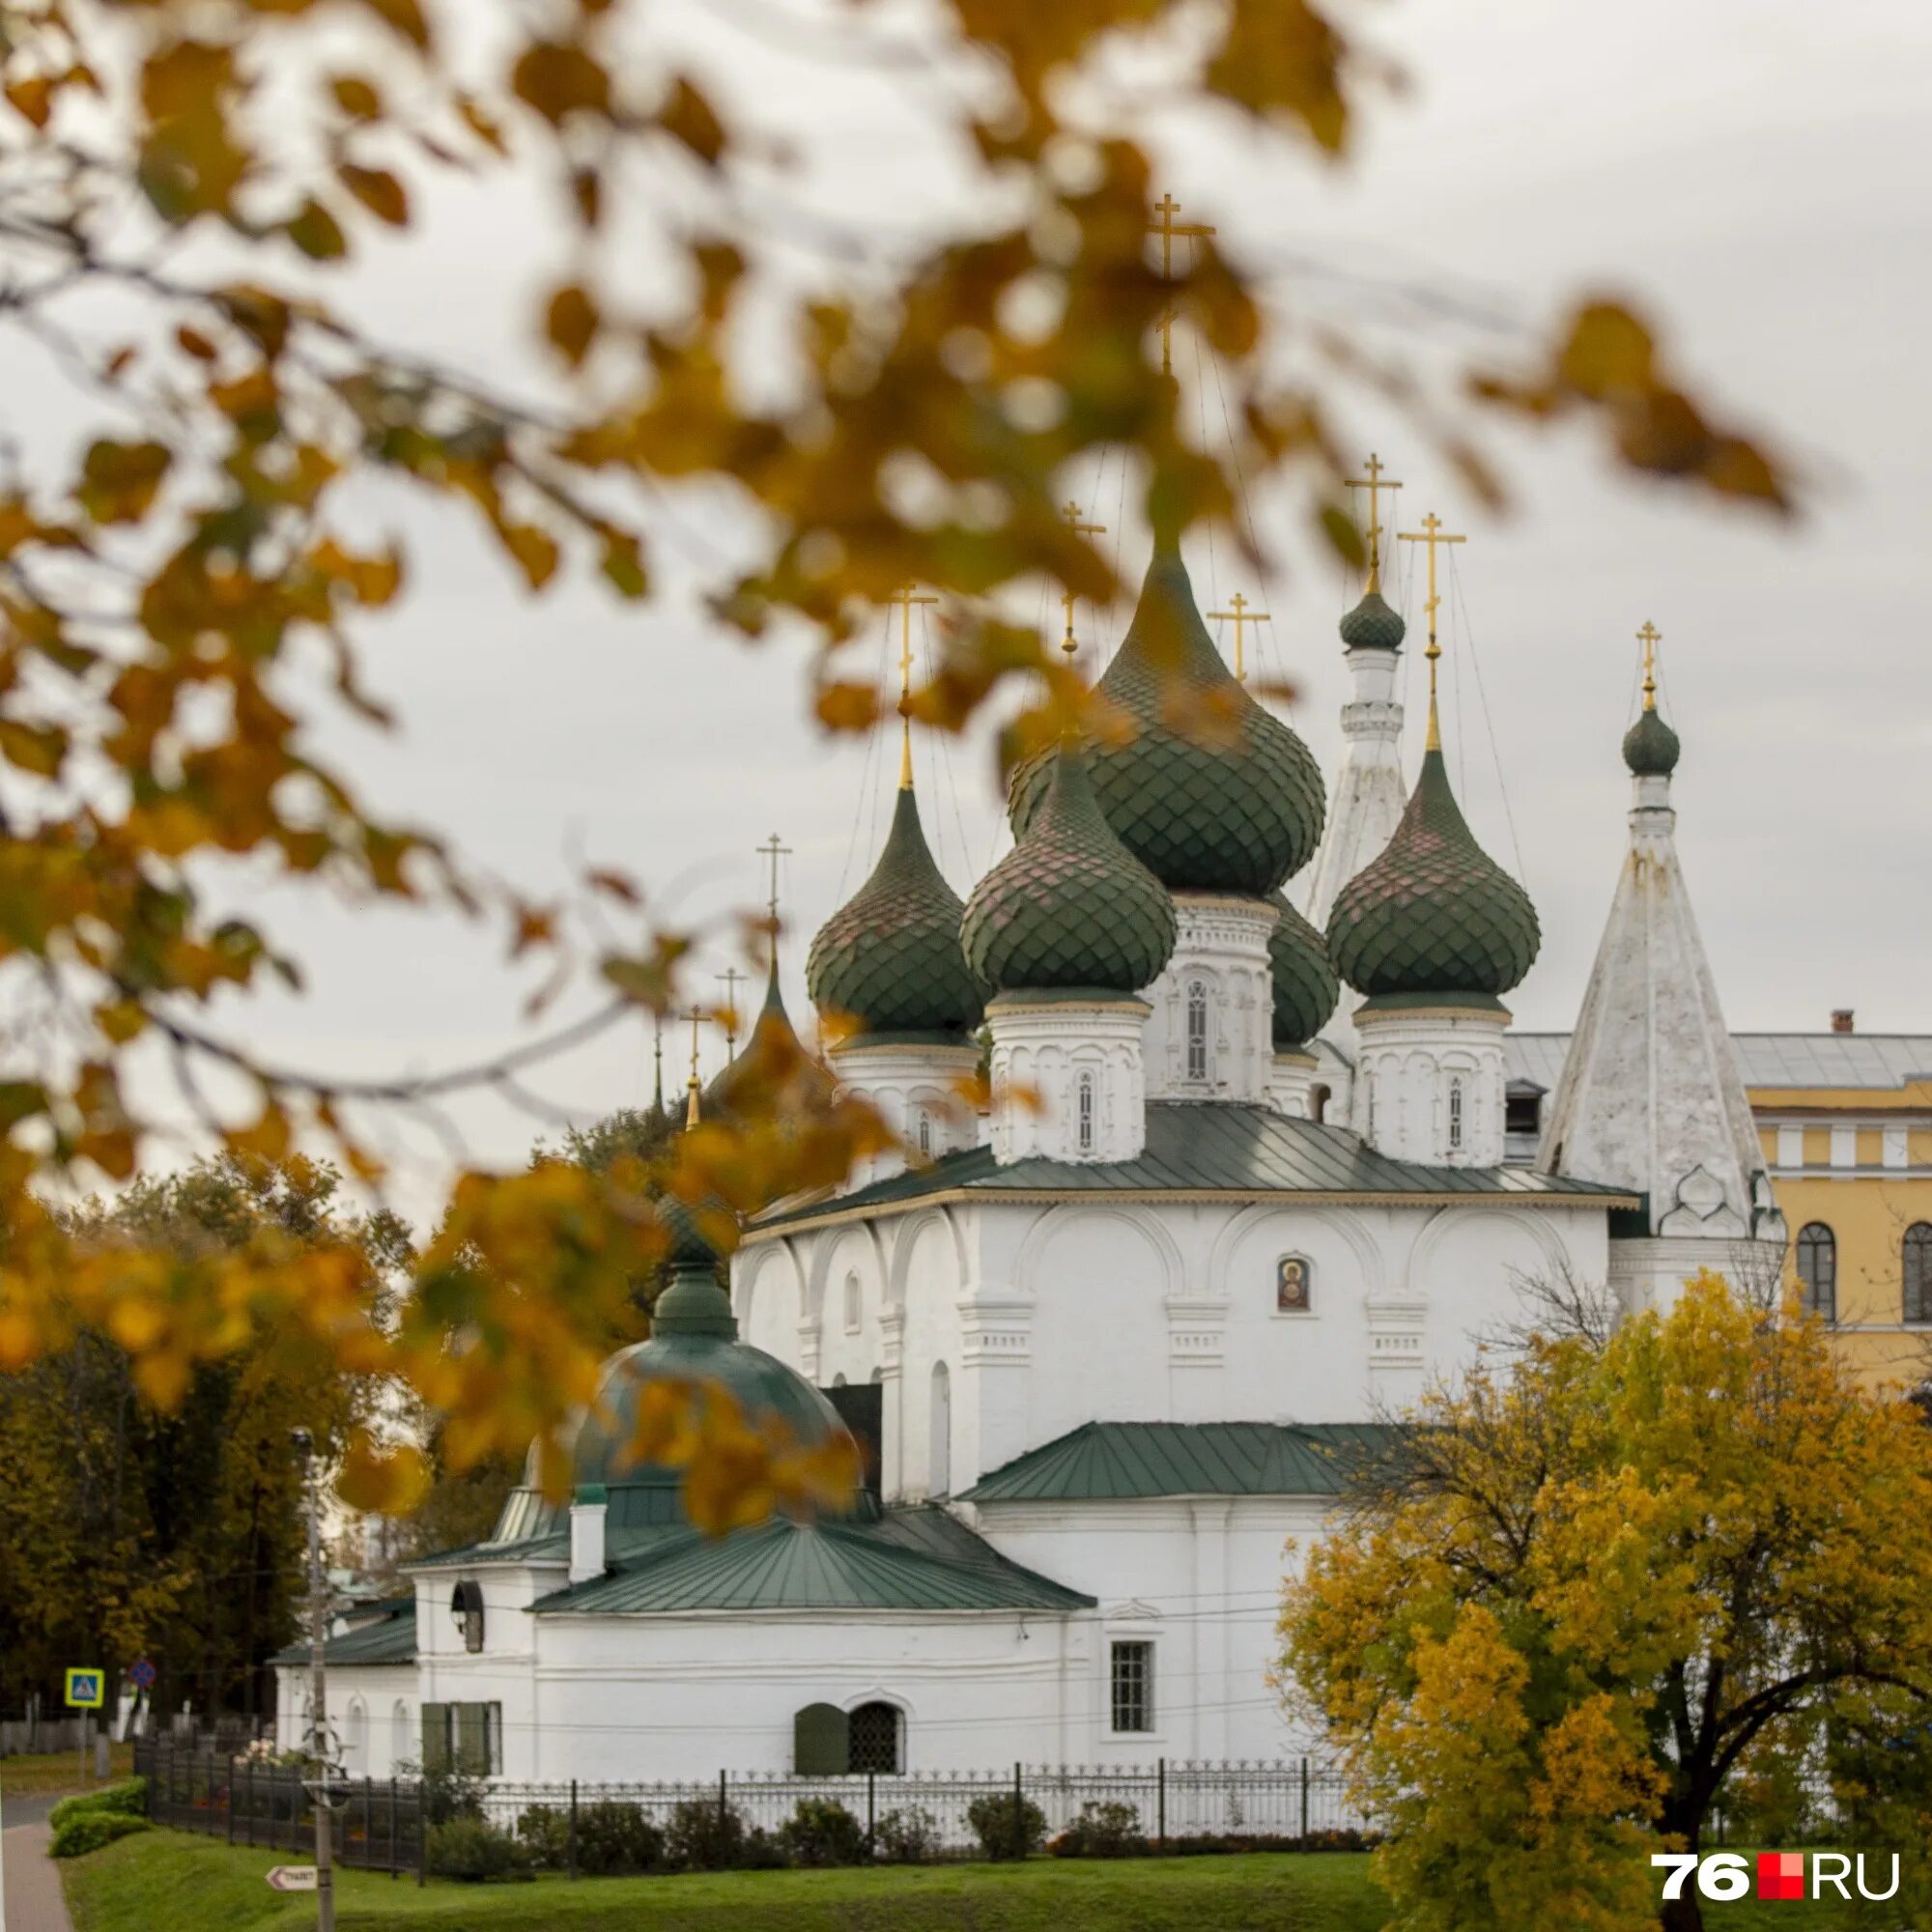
<point>1119,1461</point>
<point>390,1639</point>
<point>904,1562</point>
<point>1194,1148</point>
<point>1305,986</point>
<point>1651,747</point>
<point>1372,626</point>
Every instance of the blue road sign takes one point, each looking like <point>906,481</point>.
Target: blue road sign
<point>142,1675</point>
<point>86,1690</point>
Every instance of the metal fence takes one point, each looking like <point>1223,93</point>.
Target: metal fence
<point>379,1822</point>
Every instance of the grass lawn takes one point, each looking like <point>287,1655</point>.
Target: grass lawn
<point>187,1884</point>
<point>57,1771</point>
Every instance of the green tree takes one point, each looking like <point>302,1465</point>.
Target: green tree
<point>1580,1601</point>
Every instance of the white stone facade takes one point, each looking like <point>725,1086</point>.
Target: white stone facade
<point>1430,1082</point>
<point>1209,1030</point>
<point>915,1086</point>
<point>1067,1079</point>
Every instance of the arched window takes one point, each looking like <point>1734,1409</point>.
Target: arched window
<point>1455,1115</point>
<point>853,1305</point>
<point>1818,1270</point>
<point>924,1131</point>
<point>1917,1259</point>
<point>872,1739</point>
<point>466,1606</point>
<point>1084,1113</point>
<point>402,1732</point>
<point>1197,1030</point>
<point>939,1443</point>
<point>356,1738</point>
<point>1317,1103</point>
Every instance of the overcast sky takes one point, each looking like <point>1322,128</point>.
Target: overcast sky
<point>1753,169</point>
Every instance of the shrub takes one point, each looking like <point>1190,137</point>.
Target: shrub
<point>86,1832</point>
<point>545,1831</point>
<point>616,1837</point>
<point>127,1799</point>
<point>993,1822</point>
<point>821,1832</point>
<point>1104,1829</point>
<point>473,1849</point>
<point>761,1852</point>
<point>907,1838</point>
<point>704,1836</point>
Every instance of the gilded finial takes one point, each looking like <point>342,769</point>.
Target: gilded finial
<point>1650,637</point>
<point>1170,229</point>
<point>1070,511</point>
<point>658,1058</point>
<point>1374,484</point>
<point>1241,615</point>
<point>693,1106</point>
<point>1431,533</point>
<point>904,597</point>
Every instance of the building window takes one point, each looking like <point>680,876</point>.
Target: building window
<point>1317,1103</point>
<point>466,1606</point>
<point>872,1739</point>
<point>1917,1257</point>
<point>924,1131</point>
<point>1818,1271</point>
<point>1294,1284</point>
<point>1197,1030</point>
<point>939,1433</point>
<point>1084,1113</point>
<point>1455,1116</point>
<point>852,1303</point>
<point>1523,1112</point>
<point>466,1738</point>
<point>1133,1686</point>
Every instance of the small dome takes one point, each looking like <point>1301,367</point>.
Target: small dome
<point>690,1247</point>
<point>1373,625</point>
<point>1305,986</point>
<point>772,1070</point>
<point>1435,914</point>
<point>1202,813</point>
<point>1069,906</point>
<point>1651,747</point>
<point>891,954</point>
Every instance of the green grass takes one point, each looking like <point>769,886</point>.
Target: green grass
<point>52,1772</point>
<point>187,1884</point>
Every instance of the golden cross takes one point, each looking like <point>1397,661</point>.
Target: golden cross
<point>1650,637</point>
<point>1372,483</point>
<point>1167,229</point>
<point>1431,533</point>
<point>1071,512</point>
<point>730,980</point>
<point>1240,615</point>
<point>771,849</point>
<point>691,1102</point>
<point>904,597</point>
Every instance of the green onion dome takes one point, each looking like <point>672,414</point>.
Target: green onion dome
<point>890,956</point>
<point>1228,802</point>
<point>1373,625</point>
<point>770,1073</point>
<point>1069,906</point>
<point>1305,986</point>
<point>1650,747</point>
<point>1434,913</point>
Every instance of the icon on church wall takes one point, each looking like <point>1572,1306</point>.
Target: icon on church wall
<point>1294,1276</point>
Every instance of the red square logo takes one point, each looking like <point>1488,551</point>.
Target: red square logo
<point>1780,1874</point>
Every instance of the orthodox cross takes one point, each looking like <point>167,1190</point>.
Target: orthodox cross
<point>690,1093</point>
<point>904,597</point>
<point>1169,229</point>
<point>1431,533</point>
<point>1650,637</point>
<point>771,849</point>
<point>1240,615</point>
<point>657,1056</point>
<point>730,980</point>
<point>1372,483</point>
<point>1071,512</point>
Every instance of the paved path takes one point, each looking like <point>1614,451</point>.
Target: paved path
<point>32,1897</point>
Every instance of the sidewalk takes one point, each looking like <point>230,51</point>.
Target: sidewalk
<point>33,1899</point>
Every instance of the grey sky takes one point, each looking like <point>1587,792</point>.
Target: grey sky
<point>1753,169</point>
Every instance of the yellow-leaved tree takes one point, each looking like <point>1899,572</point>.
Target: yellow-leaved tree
<point>186,190</point>
<point>1583,1597</point>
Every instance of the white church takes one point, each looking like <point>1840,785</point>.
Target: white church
<point>1239,1192</point>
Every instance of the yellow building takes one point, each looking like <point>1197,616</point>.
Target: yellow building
<point>1845,1119</point>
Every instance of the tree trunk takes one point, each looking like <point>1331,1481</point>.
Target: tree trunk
<point>1683,1818</point>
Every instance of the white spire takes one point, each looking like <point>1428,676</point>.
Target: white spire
<point>1650,1098</point>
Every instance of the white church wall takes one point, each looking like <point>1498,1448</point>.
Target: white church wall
<point>373,1713</point>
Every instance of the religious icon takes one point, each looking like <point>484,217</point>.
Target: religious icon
<point>1291,1282</point>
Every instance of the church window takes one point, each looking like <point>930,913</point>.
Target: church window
<point>1818,1270</point>
<point>355,1737</point>
<point>1131,1688</point>
<point>1084,1112</point>
<point>402,1728</point>
<point>1917,1258</point>
<point>1197,1030</point>
<point>1455,1115</point>
<point>939,1433</point>
<point>1317,1103</point>
<point>852,1303</point>
<point>466,1606</point>
<point>924,1131</point>
<point>1523,1111</point>
<point>872,1739</point>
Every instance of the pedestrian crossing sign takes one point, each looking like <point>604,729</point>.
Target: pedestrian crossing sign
<point>86,1690</point>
